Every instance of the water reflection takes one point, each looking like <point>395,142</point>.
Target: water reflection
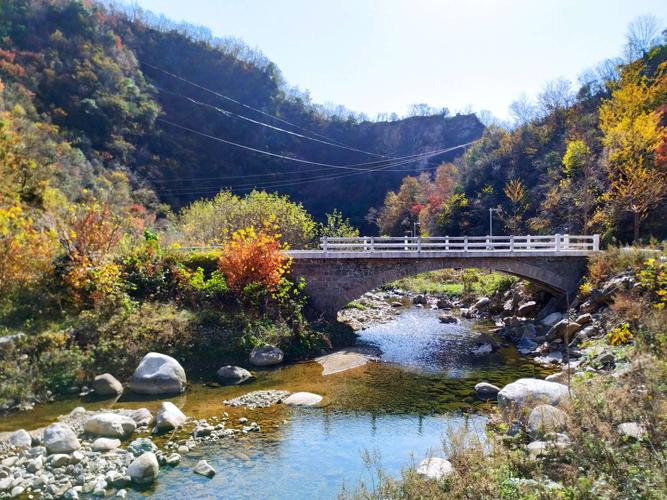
<point>400,409</point>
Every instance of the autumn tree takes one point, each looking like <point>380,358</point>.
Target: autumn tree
<point>253,258</point>
<point>27,252</point>
<point>420,199</point>
<point>639,190</point>
<point>89,271</point>
<point>633,135</point>
<point>337,226</point>
<point>515,191</point>
<point>214,221</point>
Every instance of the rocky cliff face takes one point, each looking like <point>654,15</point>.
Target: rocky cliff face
<point>356,194</point>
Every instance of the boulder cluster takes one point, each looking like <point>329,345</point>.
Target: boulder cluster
<point>94,453</point>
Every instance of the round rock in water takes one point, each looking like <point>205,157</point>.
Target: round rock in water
<point>169,417</point>
<point>447,319</point>
<point>435,468</point>
<point>233,375</point>
<point>144,469</point>
<point>266,356</point>
<point>158,374</point>
<point>107,385</point>
<point>204,469</point>
<point>302,399</point>
<point>486,391</point>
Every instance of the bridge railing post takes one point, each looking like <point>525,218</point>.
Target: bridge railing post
<point>324,244</point>
<point>566,241</point>
<point>446,243</point>
<point>419,243</point>
<point>511,243</point>
<point>527,242</point>
<point>557,236</point>
<point>465,243</point>
<point>596,242</point>
<point>372,243</point>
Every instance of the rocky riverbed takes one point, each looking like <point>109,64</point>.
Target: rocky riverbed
<point>382,306</point>
<point>105,452</point>
<point>119,450</point>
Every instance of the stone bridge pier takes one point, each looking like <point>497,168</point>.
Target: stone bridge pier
<point>334,279</point>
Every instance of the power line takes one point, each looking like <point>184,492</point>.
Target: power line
<point>231,114</point>
<point>299,160</point>
<point>251,186</point>
<point>222,96</point>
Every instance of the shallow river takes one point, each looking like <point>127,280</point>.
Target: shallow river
<point>398,410</point>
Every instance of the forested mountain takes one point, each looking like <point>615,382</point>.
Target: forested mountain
<point>138,96</point>
<point>590,161</point>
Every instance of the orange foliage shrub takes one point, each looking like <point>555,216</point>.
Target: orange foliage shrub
<point>27,253</point>
<point>90,276</point>
<point>94,235</point>
<point>253,258</point>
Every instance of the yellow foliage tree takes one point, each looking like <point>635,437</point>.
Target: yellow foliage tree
<point>630,121</point>
<point>516,194</point>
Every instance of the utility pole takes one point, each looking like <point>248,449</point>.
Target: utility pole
<point>491,210</point>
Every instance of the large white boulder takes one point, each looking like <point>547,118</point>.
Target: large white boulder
<point>144,469</point>
<point>267,355</point>
<point>60,438</point>
<point>158,374</point>
<point>302,399</point>
<point>529,392</point>
<point>435,468</point>
<point>111,425</point>
<point>168,417</point>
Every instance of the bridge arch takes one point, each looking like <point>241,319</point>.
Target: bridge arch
<point>333,281</point>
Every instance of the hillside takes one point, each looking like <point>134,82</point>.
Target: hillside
<point>587,160</point>
<point>121,85</point>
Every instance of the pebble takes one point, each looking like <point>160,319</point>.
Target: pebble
<point>258,399</point>
<point>204,469</point>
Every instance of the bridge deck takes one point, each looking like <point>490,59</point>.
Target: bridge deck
<point>558,245</point>
<point>475,254</point>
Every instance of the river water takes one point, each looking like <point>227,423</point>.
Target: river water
<point>398,410</point>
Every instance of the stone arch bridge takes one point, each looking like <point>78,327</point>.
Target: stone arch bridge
<point>343,269</point>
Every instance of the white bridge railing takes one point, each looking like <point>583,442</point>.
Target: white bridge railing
<point>528,243</point>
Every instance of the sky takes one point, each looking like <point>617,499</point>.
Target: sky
<point>375,56</point>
